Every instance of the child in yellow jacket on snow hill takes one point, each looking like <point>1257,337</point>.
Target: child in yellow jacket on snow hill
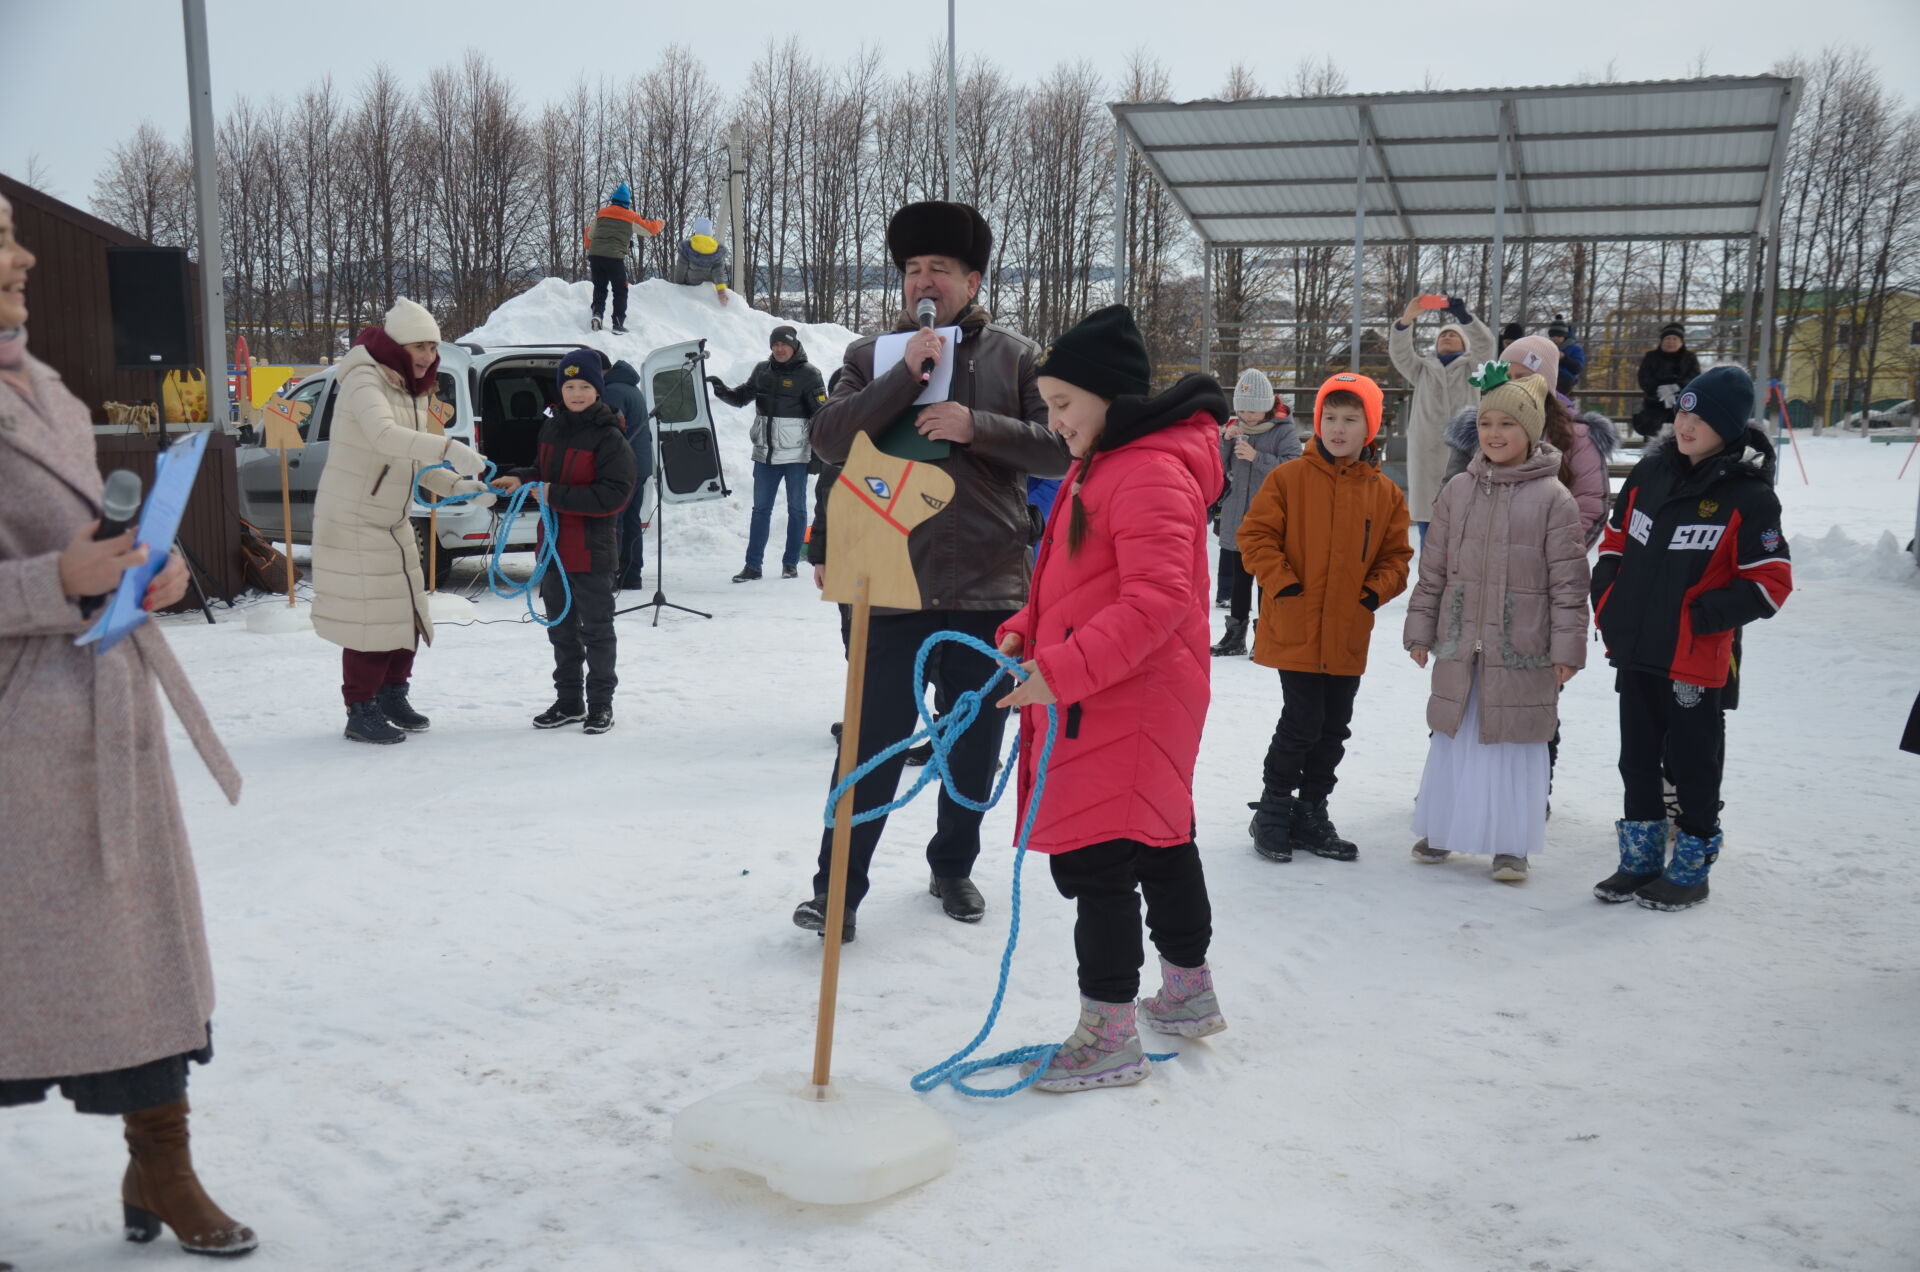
<point>1326,539</point>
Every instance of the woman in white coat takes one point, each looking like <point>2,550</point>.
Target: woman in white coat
<point>1440,389</point>
<point>369,594</point>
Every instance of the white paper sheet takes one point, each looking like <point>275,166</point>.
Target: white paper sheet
<point>889,349</point>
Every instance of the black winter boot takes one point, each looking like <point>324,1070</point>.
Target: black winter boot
<point>1233,641</point>
<point>399,712</point>
<point>1313,830</point>
<point>1272,825</point>
<point>959,898</point>
<point>812,915</point>
<point>366,722</point>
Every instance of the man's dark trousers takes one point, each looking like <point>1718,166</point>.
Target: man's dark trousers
<point>887,715</point>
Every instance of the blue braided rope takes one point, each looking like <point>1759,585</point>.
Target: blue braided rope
<point>548,553</point>
<point>942,733</point>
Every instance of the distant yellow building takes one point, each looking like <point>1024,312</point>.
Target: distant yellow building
<point>1895,366</point>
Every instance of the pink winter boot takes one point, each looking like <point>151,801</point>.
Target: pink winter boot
<point>1185,1004</point>
<point>1103,1051</point>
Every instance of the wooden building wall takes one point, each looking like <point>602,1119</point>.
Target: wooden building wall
<point>70,321</point>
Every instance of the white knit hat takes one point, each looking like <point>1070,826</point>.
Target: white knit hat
<point>409,323</point>
<point>1254,392</point>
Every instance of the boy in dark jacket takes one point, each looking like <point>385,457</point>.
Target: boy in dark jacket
<point>1693,550</point>
<point>585,473</point>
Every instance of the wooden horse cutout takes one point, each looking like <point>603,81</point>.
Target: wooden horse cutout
<point>876,502</point>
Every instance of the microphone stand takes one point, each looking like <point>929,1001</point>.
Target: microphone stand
<point>660,601</point>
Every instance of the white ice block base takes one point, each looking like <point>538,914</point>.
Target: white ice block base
<point>270,618</point>
<point>860,1143</point>
<point>445,607</point>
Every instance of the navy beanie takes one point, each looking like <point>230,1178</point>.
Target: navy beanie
<point>1104,353</point>
<point>1723,397</point>
<point>581,364</point>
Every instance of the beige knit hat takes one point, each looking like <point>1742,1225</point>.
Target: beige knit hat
<point>409,323</point>
<point>1525,400</point>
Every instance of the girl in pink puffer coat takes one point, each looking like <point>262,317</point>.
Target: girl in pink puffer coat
<point>1115,634</point>
<point>1501,608</point>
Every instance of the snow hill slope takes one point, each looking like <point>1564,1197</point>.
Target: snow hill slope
<point>659,314</point>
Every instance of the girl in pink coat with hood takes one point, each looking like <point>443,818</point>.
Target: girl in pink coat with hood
<point>1115,632</point>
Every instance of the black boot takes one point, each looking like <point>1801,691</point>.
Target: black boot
<point>918,756</point>
<point>1234,640</point>
<point>1313,830</point>
<point>959,898</point>
<point>366,722</point>
<point>1272,825</point>
<point>399,712</point>
<point>747,575</point>
<point>599,720</point>
<point>812,915</point>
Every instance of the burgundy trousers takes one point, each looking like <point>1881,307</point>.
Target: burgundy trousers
<point>362,674</point>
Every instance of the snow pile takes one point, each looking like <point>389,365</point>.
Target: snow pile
<point>659,314</point>
<point>1837,555</point>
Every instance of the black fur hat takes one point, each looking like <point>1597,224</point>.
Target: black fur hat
<point>940,229</point>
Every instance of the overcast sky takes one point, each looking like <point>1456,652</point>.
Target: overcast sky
<point>77,76</point>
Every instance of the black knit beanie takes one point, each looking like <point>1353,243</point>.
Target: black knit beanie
<point>1723,397</point>
<point>1104,353</point>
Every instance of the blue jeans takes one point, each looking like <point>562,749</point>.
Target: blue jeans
<point>767,480</point>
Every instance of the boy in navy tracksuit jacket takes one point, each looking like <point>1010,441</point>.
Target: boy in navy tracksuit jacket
<point>586,473</point>
<point>1693,550</point>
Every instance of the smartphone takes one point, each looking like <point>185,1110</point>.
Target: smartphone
<point>1433,300</point>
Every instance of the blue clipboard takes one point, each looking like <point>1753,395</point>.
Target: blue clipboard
<point>174,471</point>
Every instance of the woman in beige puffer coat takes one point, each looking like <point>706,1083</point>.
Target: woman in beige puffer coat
<point>369,595</point>
<point>1501,606</point>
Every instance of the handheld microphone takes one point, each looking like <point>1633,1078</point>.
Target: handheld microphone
<point>119,505</point>
<point>925,313</point>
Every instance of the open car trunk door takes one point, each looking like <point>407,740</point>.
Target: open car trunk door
<point>684,436</point>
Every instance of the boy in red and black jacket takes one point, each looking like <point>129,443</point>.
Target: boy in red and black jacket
<point>1693,551</point>
<point>585,472</point>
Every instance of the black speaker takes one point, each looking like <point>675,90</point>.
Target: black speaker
<point>152,312</point>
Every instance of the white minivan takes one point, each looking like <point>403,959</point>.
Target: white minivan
<point>500,397</point>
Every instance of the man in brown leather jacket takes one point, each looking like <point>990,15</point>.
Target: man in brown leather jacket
<point>971,560</point>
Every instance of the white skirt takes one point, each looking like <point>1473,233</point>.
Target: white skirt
<point>1483,798</point>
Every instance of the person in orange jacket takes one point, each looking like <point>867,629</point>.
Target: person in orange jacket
<point>1326,539</point>
<point>609,238</point>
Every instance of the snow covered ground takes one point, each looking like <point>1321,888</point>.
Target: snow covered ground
<point>466,982</point>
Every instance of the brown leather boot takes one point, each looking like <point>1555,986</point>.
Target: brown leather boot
<point>161,1188</point>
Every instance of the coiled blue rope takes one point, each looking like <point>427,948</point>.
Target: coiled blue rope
<point>943,733</point>
<point>548,553</point>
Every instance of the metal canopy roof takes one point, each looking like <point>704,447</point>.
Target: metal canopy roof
<point>1672,159</point>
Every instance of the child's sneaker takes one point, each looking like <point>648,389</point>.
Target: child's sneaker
<point>1103,1051</point>
<point>1643,854</point>
<point>1427,855</point>
<point>560,713</point>
<point>599,720</point>
<point>1272,826</point>
<point>1508,868</point>
<point>1185,1005</point>
<point>1313,830</point>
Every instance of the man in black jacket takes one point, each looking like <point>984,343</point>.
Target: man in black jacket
<point>585,473</point>
<point>785,391</point>
<point>624,395</point>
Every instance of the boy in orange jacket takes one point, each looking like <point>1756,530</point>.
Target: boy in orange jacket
<point>1326,539</point>
<point>608,238</point>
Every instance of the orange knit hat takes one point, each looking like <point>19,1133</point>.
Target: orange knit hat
<point>1362,387</point>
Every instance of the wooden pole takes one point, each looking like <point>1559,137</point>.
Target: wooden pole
<point>842,836</point>
<point>433,549</point>
<point>286,523</point>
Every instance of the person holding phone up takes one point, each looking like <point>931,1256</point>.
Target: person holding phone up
<point>1440,390</point>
